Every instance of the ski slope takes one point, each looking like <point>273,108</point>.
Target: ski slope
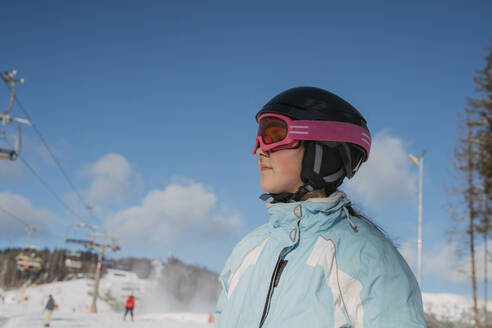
<point>451,307</point>
<point>24,308</point>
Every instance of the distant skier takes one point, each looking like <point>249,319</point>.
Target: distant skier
<point>50,306</point>
<point>129,305</point>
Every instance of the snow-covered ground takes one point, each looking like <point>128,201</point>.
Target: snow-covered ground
<point>24,308</point>
<point>451,307</point>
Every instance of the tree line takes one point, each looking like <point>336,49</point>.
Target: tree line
<point>53,267</point>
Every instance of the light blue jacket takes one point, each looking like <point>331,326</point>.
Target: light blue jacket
<point>314,266</point>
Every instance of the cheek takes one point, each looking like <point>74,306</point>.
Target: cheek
<point>289,165</point>
<point>285,175</point>
<point>290,170</point>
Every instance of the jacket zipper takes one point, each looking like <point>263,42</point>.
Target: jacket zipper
<point>275,273</point>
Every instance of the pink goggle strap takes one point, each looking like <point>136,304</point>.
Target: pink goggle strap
<point>320,131</point>
<point>330,131</point>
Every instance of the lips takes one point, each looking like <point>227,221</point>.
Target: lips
<point>264,167</point>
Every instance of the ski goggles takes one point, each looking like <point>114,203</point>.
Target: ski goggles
<point>276,132</point>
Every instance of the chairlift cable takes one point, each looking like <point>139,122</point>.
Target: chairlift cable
<point>13,216</point>
<point>38,176</point>
<point>51,153</point>
<point>24,222</point>
<point>60,167</point>
<point>49,188</point>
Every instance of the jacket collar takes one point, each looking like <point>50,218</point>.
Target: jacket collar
<point>304,213</point>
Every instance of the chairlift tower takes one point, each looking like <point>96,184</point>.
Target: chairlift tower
<point>102,246</point>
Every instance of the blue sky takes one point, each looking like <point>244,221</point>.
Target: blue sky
<point>150,106</point>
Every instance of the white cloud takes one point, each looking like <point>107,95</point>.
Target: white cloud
<point>21,208</point>
<point>464,265</point>
<point>387,176</point>
<point>409,252</point>
<point>111,176</point>
<point>443,262</point>
<point>169,214</point>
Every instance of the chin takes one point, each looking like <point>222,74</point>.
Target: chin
<point>277,185</point>
<point>272,188</point>
<point>267,187</point>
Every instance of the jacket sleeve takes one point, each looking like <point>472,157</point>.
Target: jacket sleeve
<point>390,295</point>
<point>222,301</point>
<point>224,314</point>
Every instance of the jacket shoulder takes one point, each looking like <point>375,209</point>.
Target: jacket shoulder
<point>389,291</point>
<point>367,244</point>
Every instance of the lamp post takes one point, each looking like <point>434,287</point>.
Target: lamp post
<point>419,161</point>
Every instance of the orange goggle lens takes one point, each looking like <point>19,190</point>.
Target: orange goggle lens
<point>272,129</point>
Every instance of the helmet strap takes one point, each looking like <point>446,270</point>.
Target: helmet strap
<point>288,197</point>
<point>284,197</point>
<point>345,155</point>
<point>322,167</point>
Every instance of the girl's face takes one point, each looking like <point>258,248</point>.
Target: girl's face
<point>280,171</point>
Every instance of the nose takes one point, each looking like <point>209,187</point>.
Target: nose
<point>261,152</point>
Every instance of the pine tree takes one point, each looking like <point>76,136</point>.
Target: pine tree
<point>463,208</point>
<point>481,109</point>
<point>473,160</point>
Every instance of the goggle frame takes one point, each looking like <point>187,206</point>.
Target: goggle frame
<point>313,130</point>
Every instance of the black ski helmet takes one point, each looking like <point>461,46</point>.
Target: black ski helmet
<point>338,159</point>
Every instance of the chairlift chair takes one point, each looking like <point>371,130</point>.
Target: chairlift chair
<point>27,260</point>
<point>73,262</point>
<point>11,152</point>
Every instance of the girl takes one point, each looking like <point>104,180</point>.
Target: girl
<point>317,263</point>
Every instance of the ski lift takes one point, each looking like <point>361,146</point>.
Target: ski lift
<point>12,151</point>
<point>28,260</point>
<point>73,261</point>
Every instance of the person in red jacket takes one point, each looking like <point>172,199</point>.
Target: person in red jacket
<point>129,305</point>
